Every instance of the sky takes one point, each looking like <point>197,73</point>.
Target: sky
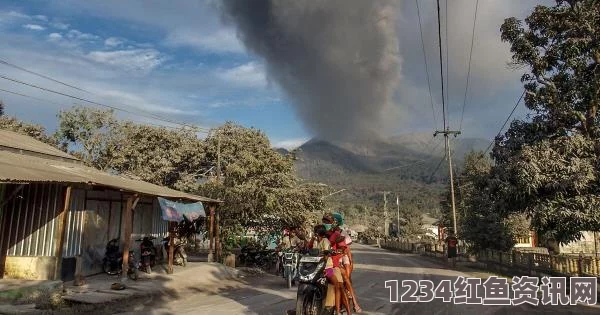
<point>180,61</point>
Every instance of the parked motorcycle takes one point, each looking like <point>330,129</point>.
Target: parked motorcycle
<point>179,255</point>
<point>258,257</point>
<point>112,263</point>
<point>290,260</point>
<point>147,253</point>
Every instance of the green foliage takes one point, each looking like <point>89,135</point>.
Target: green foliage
<point>167,157</point>
<point>547,167</point>
<point>259,187</point>
<point>479,220</point>
<point>35,131</point>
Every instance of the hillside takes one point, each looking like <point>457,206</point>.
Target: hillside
<point>402,164</point>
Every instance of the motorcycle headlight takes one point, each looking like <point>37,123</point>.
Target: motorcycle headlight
<point>308,271</point>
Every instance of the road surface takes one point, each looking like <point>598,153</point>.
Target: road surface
<point>268,295</point>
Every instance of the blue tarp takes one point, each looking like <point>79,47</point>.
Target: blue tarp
<point>174,211</point>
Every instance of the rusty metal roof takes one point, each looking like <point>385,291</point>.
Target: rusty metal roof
<point>25,168</point>
<point>17,141</point>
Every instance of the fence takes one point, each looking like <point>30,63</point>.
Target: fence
<point>532,264</point>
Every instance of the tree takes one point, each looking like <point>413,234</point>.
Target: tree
<point>259,186</point>
<point>480,222</point>
<point>167,157</point>
<point>546,167</point>
<point>36,131</point>
<point>1,108</point>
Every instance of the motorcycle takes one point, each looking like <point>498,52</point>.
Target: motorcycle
<point>179,255</point>
<point>112,263</point>
<point>290,259</point>
<point>312,287</point>
<point>147,253</point>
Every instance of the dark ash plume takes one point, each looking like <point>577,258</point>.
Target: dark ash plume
<point>336,59</point>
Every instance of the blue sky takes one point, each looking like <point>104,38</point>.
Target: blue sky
<point>178,60</point>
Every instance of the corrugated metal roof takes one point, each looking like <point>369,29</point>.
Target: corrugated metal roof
<point>23,168</point>
<point>18,141</point>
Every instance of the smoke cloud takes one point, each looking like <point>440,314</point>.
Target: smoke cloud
<point>337,60</point>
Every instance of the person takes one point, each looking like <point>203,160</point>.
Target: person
<point>346,264</point>
<point>337,244</point>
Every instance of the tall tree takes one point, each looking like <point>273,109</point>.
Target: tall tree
<point>259,185</point>
<point>168,157</point>
<point>547,167</point>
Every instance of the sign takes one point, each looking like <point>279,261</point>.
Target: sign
<point>175,211</point>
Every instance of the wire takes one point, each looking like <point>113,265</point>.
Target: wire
<point>441,63</point>
<point>32,97</point>
<point>148,115</point>
<point>426,67</point>
<point>447,58</point>
<point>505,122</point>
<point>418,161</point>
<point>438,166</point>
<point>57,103</point>
<point>4,62</point>
<point>469,67</point>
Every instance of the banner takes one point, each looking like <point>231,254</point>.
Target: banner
<point>175,211</point>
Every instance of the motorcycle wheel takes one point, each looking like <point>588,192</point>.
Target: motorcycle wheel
<point>148,269</point>
<point>289,280</point>
<point>308,304</point>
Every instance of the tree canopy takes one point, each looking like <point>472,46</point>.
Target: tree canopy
<point>546,167</point>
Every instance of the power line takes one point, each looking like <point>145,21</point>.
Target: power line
<point>438,166</point>
<point>447,58</point>
<point>469,67</point>
<point>505,122</point>
<point>148,115</point>
<point>4,62</point>
<point>31,97</point>
<point>57,103</point>
<point>426,67</point>
<point>418,161</point>
<point>441,62</point>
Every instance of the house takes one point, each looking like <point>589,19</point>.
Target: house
<point>588,244</point>
<point>430,226</point>
<point>56,212</point>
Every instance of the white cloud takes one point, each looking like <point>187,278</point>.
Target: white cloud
<point>54,37</point>
<point>60,25</point>
<point>16,14</point>
<point>290,144</point>
<point>251,74</point>
<point>113,42</point>
<point>34,27</point>
<point>41,18</point>
<point>143,60</point>
<point>222,40</point>
<point>125,99</point>
<point>77,35</point>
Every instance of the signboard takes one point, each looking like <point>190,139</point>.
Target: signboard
<point>175,211</point>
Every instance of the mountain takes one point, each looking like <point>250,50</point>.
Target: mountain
<point>411,165</point>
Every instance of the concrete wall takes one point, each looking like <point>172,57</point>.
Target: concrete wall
<point>30,268</point>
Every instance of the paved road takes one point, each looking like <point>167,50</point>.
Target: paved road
<point>267,294</point>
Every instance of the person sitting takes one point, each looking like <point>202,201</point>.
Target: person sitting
<point>346,263</point>
<point>336,241</point>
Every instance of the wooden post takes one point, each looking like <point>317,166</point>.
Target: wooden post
<point>62,227</point>
<point>210,233</point>
<point>217,238</point>
<point>171,248</point>
<point>126,233</point>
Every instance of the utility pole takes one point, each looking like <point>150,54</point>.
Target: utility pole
<point>385,214</point>
<point>398,213</point>
<point>446,133</point>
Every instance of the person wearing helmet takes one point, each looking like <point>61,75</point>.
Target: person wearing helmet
<point>346,265</point>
